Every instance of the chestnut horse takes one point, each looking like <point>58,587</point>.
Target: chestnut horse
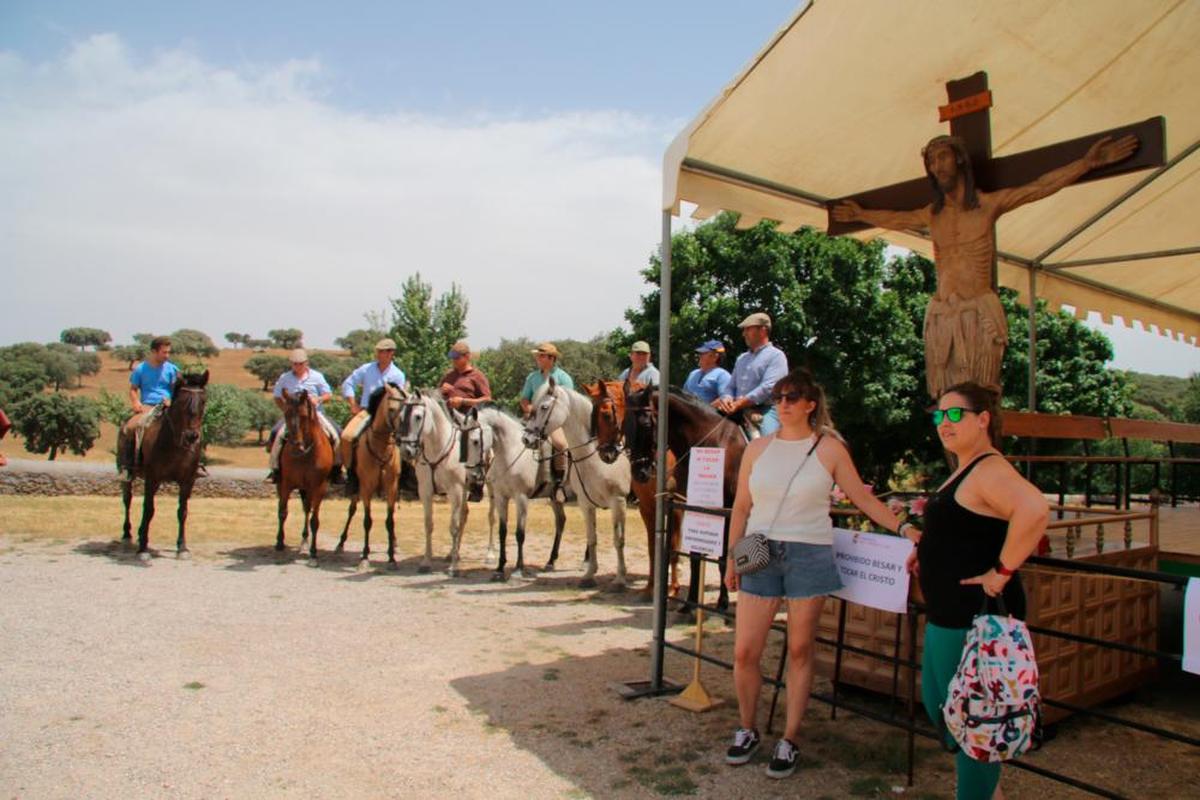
<point>608,418</point>
<point>377,465</point>
<point>304,464</point>
<point>690,423</point>
<point>170,451</point>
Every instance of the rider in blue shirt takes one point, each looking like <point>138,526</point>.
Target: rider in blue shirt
<point>755,374</point>
<point>710,380</point>
<point>369,377</point>
<point>150,386</point>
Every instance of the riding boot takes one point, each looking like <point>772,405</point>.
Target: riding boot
<point>558,475</point>
<point>475,484</point>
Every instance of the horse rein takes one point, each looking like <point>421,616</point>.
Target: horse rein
<point>178,437</point>
<point>417,442</point>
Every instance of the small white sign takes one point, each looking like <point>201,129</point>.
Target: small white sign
<point>703,533</point>
<point>706,477</point>
<point>1191,627</point>
<point>872,569</point>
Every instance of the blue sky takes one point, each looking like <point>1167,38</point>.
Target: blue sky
<point>244,166</point>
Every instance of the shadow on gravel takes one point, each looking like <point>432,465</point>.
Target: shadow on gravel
<point>249,559</point>
<point>124,553</point>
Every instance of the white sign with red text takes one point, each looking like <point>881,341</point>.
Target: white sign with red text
<point>703,533</point>
<point>706,477</point>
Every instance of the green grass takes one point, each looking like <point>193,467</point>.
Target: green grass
<point>194,685</point>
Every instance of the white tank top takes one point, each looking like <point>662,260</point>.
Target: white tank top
<point>804,513</point>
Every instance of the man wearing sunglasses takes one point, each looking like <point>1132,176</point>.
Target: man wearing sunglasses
<point>754,375</point>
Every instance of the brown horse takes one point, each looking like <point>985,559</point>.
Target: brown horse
<point>690,423</point>
<point>170,451</point>
<point>377,466</point>
<point>304,464</point>
<point>608,418</point>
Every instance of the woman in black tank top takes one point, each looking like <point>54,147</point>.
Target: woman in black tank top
<point>979,528</point>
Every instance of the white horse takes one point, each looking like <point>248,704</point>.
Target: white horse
<point>596,484</point>
<point>430,441</point>
<point>514,475</point>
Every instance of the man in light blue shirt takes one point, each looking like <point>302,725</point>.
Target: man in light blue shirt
<point>150,386</point>
<point>755,374</point>
<point>302,378</point>
<point>710,380</point>
<point>546,355</point>
<point>640,370</point>
<point>368,378</point>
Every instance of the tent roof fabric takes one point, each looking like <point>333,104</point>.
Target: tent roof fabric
<point>845,95</point>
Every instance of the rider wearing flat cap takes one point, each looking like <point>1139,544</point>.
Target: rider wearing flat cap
<point>754,374</point>
<point>368,378</point>
<point>302,378</point>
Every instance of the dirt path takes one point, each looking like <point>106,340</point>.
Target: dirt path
<point>237,674</point>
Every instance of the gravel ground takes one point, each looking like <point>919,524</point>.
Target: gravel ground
<point>242,674</point>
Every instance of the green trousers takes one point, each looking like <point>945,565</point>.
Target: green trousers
<point>977,780</point>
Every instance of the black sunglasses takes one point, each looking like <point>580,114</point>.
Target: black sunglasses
<point>793,396</point>
<point>953,414</point>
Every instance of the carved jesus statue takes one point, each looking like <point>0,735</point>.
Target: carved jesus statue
<point>965,328</point>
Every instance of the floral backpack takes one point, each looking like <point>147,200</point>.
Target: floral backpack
<point>993,703</point>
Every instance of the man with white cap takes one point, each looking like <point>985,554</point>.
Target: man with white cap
<point>710,380</point>
<point>302,378</point>
<point>640,370</point>
<point>755,374</point>
<point>368,378</point>
<point>546,355</point>
<point>464,387</point>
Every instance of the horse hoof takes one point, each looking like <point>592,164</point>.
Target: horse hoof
<point>499,577</point>
<point>279,547</point>
<point>312,562</point>
<point>364,565</point>
<point>549,567</point>
<point>184,555</point>
<point>528,574</point>
<point>393,566</point>
<point>453,572</point>
<point>424,569</point>
<point>144,555</point>
<point>616,587</point>
<point>587,583</point>
<point>646,595</point>
<point>301,554</point>
<point>338,549</point>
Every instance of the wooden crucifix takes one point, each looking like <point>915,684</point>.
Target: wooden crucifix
<point>958,201</point>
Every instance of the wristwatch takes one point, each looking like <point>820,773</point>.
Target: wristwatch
<point>1003,570</point>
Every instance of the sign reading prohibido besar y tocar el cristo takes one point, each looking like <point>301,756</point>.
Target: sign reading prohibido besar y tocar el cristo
<point>872,569</point>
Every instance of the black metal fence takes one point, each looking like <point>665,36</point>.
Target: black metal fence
<point>907,662</point>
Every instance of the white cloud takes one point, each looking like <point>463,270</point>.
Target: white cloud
<point>166,192</point>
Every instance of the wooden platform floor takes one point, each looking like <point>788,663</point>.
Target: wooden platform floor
<point>1179,529</point>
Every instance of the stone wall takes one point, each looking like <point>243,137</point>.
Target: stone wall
<point>72,478</point>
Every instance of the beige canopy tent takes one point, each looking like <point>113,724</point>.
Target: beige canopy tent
<point>844,96</point>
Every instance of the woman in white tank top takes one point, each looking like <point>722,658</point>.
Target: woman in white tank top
<point>783,492</point>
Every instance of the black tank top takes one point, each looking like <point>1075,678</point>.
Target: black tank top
<point>958,543</point>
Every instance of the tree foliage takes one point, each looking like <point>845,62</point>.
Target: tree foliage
<point>286,338</point>
<point>85,337</point>
<point>262,412</point>
<point>50,423</point>
<point>855,321</point>
<point>114,408</point>
<point>360,342</point>
<point>237,339</point>
<point>130,353</point>
<point>335,368</point>
<point>508,364</point>
<point>267,368</point>
<point>188,341</point>
<point>227,415</point>
<point>425,329</point>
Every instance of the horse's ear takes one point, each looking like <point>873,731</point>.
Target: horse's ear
<point>204,378</point>
<point>551,383</point>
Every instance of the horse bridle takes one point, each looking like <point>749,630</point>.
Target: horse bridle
<point>541,433</point>
<point>416,442</point>
<point>177,435</point>
<point>609,450</point>
<point>392,422</point>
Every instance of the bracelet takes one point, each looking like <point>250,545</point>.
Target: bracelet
<point>1003,570</point>
<point>900,528</point>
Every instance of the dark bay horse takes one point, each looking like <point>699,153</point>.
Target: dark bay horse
<point>170,451</point>
<point>304,464</point>
<point>608,417</point>
<point>690,423</point>
<point>377,465</point>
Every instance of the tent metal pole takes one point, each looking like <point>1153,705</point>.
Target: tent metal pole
<point>1032,339</point>
<point>660,483</point>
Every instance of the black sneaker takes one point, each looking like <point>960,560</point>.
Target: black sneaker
<point>783,760</point>
<point>745,742</point>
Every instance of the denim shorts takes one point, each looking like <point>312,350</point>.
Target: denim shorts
<point>796,571</point>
